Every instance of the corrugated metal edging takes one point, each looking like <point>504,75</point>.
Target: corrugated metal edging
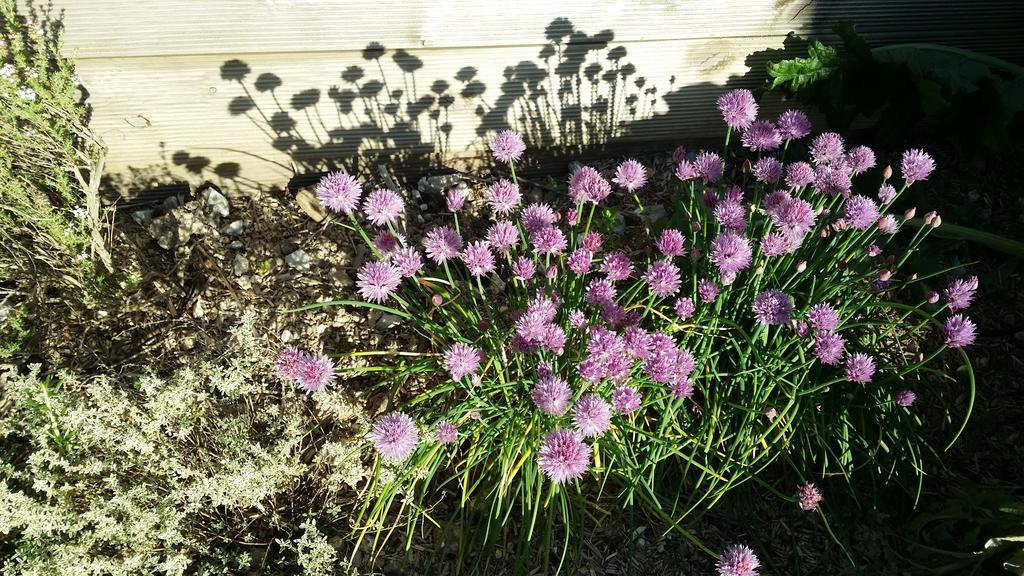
<point>119,28</point>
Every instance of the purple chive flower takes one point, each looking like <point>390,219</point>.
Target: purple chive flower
<point>774,244</point>
<point>630,175</point>
<point>383,206</point>
<point>407,261</point>
<point>524,269</point>
<point>607,357</point>
<point>860,212</point>
<point>663,278</point>
<point>394,435</point>
<point>377,280</point>
<point>507,146</point>
<point>802,329</point>
<point>684,308</point>
<point>587,185</point>
<point>809,496</point>
<point>823,317</point>
<point>685,170</point>
<point>959,331</point>
<point>738,108</point>
<point>860,158</point>
<point>671,243</point>
<point>579,261</point>
<point>731,215</point>
<point>734,194</point>
<point>767,169</point>
<point>772,202</point>
<point>315,373</point>
<point>859,367</point>
<point>916,165</point>
<point>682,388</point>
<point>799,174</point>
<point>905,398</point>
<point>794,217</point>
<point>731,252</point>
<point>462,360</point>
<point>707,290</point>
<point>666,362</point>
<point>833,179</point>
<point>626,399</point>
<point>886,193</point>
<point>577,319</point>
<point>638,341</point>
<point>616,266</point>
<point>502,235</point>
<point>829,348</point>
<point>442,244</point>
<point>591,415</point>
<point>874,250</point>
<point>446,432</point>
<point>709,166</point>
<point>826,148</point>
<point>761,136</point>
<point>563,456</point>
<point>960,293</point>
<point>773,307</point>
<point>888,224</point>
<point>738,560</point>
<point>479,258</point>
<point>339,192</point>
<point>288,363</point>
<point>794,125</point>
<point>538,216</point>
<point>551,395</point>
<point>592,241</point>
<point>503,197</point>
<point>385,242</point>
<point>710,198</point>
<point>600,292</point>
<point>548,240</point>
<point>455,200</point>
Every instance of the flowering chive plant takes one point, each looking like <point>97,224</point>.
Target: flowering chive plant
<point>770,316</point>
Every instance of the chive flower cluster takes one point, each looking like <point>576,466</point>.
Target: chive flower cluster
<point>550,340</point>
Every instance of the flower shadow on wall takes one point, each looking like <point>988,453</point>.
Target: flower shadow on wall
<point>580,94</point>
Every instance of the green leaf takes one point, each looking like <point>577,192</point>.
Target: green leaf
<point>821,62</point>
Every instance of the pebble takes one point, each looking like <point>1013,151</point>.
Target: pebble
<point>240,265</point>
<point>233,229</point>
<point>298,260</point>
<point>387,322</point>
<point>287,336</point>
<point>215,203</point>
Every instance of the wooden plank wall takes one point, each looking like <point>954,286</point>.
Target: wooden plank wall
<point>249,92</point>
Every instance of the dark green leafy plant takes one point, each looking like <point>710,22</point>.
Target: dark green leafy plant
<point>907,91</point>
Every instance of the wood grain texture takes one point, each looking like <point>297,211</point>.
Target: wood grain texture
<point>445,75</point>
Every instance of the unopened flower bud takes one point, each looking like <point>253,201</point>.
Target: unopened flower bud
<point>919,357</point>
<point>937,221</point>
<point>841,264</point>
<point>887,173</point>
<point>931,297</point>
<point>824,232</point>
<point>909,213</point>
<point>884,275</point>
<point>928,217</point>
<point>695,226</point>
<point>913,277</point>
<point>801,266</point>
<point>747,166</point>
<point>437,300</point>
